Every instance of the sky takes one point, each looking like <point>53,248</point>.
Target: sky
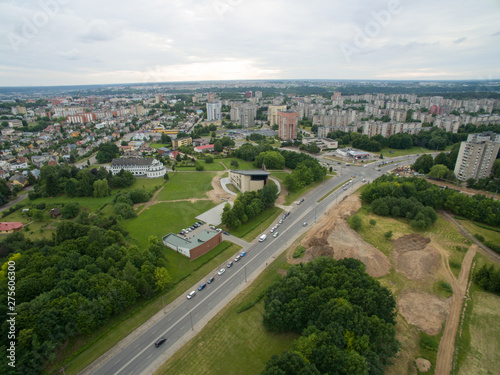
<point>78,42</point>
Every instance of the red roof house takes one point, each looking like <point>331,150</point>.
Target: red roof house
<point>9,227</point>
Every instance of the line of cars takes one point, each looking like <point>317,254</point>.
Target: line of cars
<point>212,278</point>
<point>191,228</point>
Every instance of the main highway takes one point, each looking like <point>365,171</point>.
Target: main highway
<point>138,354</point>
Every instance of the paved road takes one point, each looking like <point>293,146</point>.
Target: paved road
<point>138,355</point>
<point>17,200</point>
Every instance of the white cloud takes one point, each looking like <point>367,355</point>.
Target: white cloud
<point>120,41</point>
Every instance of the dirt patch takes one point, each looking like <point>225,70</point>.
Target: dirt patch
<point>218,193</point>
<point>423,310</point>
<point>282,272</point>
<point>415,258</point>
<point>332,236</point>
<point>423,365</point>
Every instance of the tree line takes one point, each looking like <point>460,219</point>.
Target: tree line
<point>477,208</point>
<point>58,179</point>
<point>346,319</point>
<point>248,205</point>
<point>73,284</point>
<point>488,278</point>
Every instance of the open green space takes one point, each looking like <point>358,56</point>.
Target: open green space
<point>158,145</point>
<point>186,185</point>
<point>280,176</point>
<point>479,343</point>
<point>489,235</point>
<point>84,350</point>
<point>411,151</point>
<point>162,218</point>
<point>215,166</point>
<point>242,164</point>
<point>234,343</point>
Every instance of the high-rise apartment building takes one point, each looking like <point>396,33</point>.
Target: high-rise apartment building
<point>244,114</point>
<point>210,97</point>
<point>287,122</point>
<point>272,113</point>
<point>214,111</point>
<point>477,155</point>
<point>158,99</point>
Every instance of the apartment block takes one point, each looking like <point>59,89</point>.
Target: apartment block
<point>214,111</point>
<point>272,113</point>
<point>287,122</point>
<point>477,155</point>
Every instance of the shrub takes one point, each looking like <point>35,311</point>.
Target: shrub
<point>479,237</point>
<point>356,222</point>
<point>299,252</point>
<point>388,235</point>
<point>454,264</point>
<point>373,222</point>
<point>199,167</point>
<point>428,343</point>
<point>443,285</point>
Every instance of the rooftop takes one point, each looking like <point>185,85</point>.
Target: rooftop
<point>253,172</point>
<point>191,243</point>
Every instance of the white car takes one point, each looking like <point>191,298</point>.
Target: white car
<point>222,270</point>
<point>272,230</point>
<point>191,294</point>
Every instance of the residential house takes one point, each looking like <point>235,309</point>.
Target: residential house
<point>10,227</point>
<point>205,148</point>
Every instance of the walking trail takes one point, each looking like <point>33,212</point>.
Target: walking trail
<point>447,344</point>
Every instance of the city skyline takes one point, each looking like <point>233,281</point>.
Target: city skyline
<point>57,42</point>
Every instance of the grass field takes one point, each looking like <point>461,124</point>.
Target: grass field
<point>233,343</point>
<point>242,164</point>
<point>163,218</point>
<point>480,342</point>
<point>411,151</point>
<point>489,235</point>
<point>186,186</point>
<point>215,166</point>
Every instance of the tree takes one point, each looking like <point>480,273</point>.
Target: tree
<point>439,171</point>
<point>52,185</point>
<point>388,235</point>
<point>107,152</point>
<point>423,164</point>
<point>101,188</point>
<point>165,139</point>
<point>162,277</point>
<point>71,187</point>
<point>70,210</point>
<point>356,222</point>
<point>268,194</point>
<point>218,146</point>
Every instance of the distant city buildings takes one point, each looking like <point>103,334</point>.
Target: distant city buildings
<point>214,111</point>
<point>287,125</point>
<point>244,114</point>
<point>477,155</point>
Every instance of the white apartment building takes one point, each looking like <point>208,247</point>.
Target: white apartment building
<point>145,167</point>
<point>477,155</point>
<point>214,111</point>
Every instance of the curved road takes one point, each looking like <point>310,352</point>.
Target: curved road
<point>137,353</point>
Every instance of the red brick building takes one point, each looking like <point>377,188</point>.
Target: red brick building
<point>287,122</point>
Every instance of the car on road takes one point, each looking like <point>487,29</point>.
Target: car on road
<point>281,221</point>
<point>299,202</point>
<point>243,254</point>
<point>219,230</point>
<point>191,294</point>
<point>226,233</point>
<point>222,270</point>
<point>200,222</point>
<point>229,264</point>
<point>210,280</point>
<point>237,258</point>
<point>160,341</point>
<point>262,238</point>
<point>212,227</point>
<point>202,286</point>
<point>379,169</point>
<point>272,229</point>
<point>304,224</point>
<point>276,234</point>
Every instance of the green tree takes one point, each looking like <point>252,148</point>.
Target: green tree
<point>388,235</point>
<point>162,277</point>
<point>70,210</point>
<point>423,164</point>
<point>218,146</point>
<point>101,188</point>
<point>356,222</point>
<point>107,152</point>
<point>439,171</point>
<point>71,187</point>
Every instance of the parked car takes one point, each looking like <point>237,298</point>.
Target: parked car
<point>281,221</point>
<point>243,254</point>
<point>160,341</point>
<point>226,233</point>
<point>229,264</point>
<point>212,227</point>
<point>222,270</point>
<point>200,222</point>
<point>276,234</point>
<point>304,224</point>
<point>210,280</point>
<point>191,294</point>
<point>237,258</point>
<point>272,230</point>
<point>202,286</point>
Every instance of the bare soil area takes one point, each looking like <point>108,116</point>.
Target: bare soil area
<point>332,236</point>
<point>423,310</point>
<point>415,258</point>
<point>218,193</point>
<point>423,365</point>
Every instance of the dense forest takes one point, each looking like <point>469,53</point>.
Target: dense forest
<point>477,208</point>
<point>72,284</point>
<point>345,317</point>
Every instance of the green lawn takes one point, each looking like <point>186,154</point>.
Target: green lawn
<point>186,185</point>
<point>233,343</point>
<point>489,235</point>
<point>162,218</point>
<point>242,164</point>
<point>280,175</point>
<point>158,145</point>
<point>215,166</point>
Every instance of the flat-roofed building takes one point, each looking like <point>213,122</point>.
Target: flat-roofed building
<point>250,180</point>
<point>186,141</point>
<point>272,113</point>
<point>477,155</point>
<point>287,122</point>
<point>201,243</point>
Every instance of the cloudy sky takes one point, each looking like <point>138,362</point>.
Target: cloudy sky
<point>66,42</point>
